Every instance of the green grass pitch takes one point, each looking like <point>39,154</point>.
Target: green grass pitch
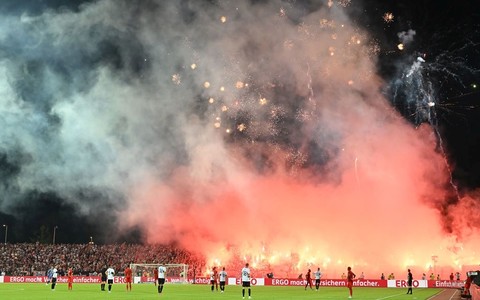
<point>38,291</point>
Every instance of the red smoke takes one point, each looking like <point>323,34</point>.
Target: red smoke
<point>378,202</point>
<point>377,217</point>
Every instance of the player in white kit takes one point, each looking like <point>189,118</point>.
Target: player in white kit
<point>223,278</point>
<point>318,275</point>
<point>246,281</point>
<point>110,275</point>
<point>162,271</point>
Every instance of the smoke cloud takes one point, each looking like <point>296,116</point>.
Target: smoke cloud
<point>406,37</point>
<point>250,125</point>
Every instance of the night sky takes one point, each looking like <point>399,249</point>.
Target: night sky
<point>56,171</point>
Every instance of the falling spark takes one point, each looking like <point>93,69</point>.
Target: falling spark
<point>206,84</point>
<point>263,101</point>
<point>388,17</point>
<point>239,85</point>
<point>176,78</point>
<point>223,19</point>
<point>211,100</point>
<point>217,123</point>
<point>324,23</point>
<point>331,50</point>
<point>344,3</point>
<point>304,28</point>
<point>288,44</point>
<point>374,48</point>
<point>241,127</point>
<point>222,89</point>
<point>355,40</point>
<point>400,46</point>
<point>193,66</point>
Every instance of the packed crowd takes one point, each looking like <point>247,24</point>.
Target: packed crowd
<point>87,259</point>
<point>35,259</point>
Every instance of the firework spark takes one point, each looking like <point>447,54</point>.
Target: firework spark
<point>344,3</point>
<point>176,78</point>
<point>388,17</point>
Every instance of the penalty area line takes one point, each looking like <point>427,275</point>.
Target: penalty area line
<point>389,296</point>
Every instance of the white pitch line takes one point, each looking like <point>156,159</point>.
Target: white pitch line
<point>389,296</point>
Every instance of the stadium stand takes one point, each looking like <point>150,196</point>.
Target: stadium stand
<point>88,259</point>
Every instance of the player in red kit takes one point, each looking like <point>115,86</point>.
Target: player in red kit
<point>308,279</point>
<point>466,288</point>
<point>214,278</point>
<point>128,278</point>
<point>70,279</point>
<point>350,277</point>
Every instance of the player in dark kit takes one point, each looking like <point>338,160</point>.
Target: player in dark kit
<point>409,282</point>
<point>54,277</point>
<point>103,278</point>
<point>49,275</point>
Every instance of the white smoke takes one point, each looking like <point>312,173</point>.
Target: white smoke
<point>406,37</point>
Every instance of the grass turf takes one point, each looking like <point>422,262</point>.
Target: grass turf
<point>38,291</point>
